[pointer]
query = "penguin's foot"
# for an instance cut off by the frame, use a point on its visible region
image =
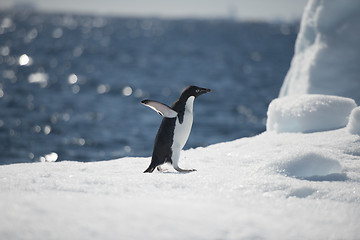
(184, 170)
(160, 169)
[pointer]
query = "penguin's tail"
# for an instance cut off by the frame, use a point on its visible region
(150, 169)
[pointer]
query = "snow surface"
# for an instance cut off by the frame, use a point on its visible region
(271, 186)
(327, 51)
(308, 113)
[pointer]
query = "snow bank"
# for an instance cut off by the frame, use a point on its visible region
(327, 51)
(354, 122)
(308, 113)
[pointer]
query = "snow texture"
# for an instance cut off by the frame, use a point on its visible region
(354, 122)
(271, 186)
(308, 113)
(327, 51)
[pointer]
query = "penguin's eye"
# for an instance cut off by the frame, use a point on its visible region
(197, 90)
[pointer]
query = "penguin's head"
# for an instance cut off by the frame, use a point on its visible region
(193, 91)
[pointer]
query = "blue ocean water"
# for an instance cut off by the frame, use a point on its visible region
(71, 86)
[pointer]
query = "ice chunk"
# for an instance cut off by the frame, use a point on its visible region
(308, 113)
(354, 121)
(327, 51)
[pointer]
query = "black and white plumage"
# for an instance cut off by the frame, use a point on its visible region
(175, 128)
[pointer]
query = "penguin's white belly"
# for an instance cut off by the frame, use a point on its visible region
(182, 130)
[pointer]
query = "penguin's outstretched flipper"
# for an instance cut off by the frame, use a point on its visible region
(160, 108)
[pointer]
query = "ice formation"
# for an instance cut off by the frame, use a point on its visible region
(327, 51)
(308, 113)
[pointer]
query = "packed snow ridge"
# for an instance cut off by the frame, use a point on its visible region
(354, 122)
(308, 113)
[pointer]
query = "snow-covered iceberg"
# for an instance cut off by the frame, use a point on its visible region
(327, 51)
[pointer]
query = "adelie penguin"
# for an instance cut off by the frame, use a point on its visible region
(174, 130)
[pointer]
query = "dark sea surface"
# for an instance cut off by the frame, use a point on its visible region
(71, 86)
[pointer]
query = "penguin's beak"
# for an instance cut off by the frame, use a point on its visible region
(205, 90)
